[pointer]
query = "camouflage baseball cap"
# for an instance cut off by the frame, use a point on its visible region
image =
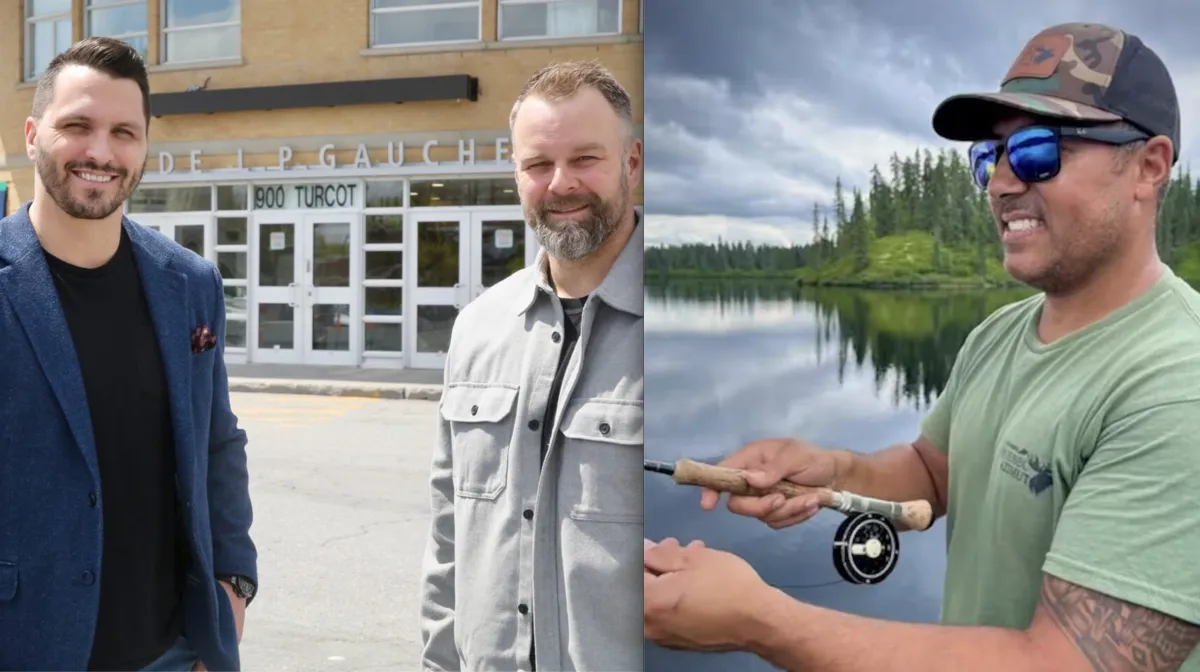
(1082, 72)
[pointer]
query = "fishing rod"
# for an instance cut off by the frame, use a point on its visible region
(866, 545)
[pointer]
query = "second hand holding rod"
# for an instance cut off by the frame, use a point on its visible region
(914, 515)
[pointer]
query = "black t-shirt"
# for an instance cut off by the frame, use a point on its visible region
(573, 310)
(143, 556)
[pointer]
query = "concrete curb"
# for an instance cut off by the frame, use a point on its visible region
(338, 388)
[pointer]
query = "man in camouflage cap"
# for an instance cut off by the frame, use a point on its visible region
(1063, 451)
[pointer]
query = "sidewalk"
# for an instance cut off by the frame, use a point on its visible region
(336, 381)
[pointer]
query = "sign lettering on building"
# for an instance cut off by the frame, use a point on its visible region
(326, 158)
(320, 196)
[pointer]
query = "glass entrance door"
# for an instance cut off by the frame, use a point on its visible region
(458, 255)
(304, 302)
(330, 318)
(498, 248)
(277, 272)
(443, 264)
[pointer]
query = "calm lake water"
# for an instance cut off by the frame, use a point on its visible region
(728, 363)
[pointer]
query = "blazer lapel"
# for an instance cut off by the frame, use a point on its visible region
(30, 289)
(166, 293)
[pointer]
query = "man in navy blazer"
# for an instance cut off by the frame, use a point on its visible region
(124, 497)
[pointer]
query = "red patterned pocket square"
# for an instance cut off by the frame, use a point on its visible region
(203, 340)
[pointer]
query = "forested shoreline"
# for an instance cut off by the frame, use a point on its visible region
(922, 224)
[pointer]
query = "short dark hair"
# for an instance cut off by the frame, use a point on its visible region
(111, 56)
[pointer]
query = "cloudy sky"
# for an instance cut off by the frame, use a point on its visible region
(754, 107)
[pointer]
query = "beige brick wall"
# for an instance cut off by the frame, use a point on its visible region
(300, 41)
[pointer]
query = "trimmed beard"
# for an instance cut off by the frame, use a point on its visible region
(574, 239)
(93, 206)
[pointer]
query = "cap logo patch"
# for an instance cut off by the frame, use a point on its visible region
(1040, 58)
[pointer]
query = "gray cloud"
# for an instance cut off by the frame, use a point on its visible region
(753, 108)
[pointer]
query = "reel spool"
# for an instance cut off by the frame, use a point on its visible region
(865, 548)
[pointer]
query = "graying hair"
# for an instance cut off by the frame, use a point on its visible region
(559, 81)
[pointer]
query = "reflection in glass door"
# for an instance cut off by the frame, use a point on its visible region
(442, 264)
(498, 248)
(189, 231)
(327, 294)
(304, 302)
(277, 289)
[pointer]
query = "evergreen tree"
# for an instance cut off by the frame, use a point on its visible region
(926, 192)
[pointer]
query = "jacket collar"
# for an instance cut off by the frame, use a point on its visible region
(624, 286)
(27, 285)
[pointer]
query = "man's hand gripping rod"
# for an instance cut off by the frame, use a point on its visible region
(915, 515)
(866, 546)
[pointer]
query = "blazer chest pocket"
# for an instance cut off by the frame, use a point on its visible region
(602, 460)
(481, 421)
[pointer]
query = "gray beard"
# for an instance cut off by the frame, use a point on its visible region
(576, 239)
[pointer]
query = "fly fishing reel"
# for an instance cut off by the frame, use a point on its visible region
(865, 548)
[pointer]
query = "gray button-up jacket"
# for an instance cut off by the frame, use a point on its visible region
(519, 551)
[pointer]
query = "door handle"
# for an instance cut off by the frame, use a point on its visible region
(292, 294)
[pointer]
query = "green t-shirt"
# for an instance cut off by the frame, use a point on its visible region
(1080, 458)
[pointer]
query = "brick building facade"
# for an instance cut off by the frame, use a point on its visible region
(347, 170)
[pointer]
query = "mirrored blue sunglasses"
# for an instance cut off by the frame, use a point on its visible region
(1035, 152)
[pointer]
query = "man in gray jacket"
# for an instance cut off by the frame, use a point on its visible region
(532, 560)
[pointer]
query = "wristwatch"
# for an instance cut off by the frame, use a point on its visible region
(242, 587)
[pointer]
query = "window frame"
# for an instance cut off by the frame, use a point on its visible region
(89, 7)
(373, 12)
(28, 20)
(500, 4)
(164, 31)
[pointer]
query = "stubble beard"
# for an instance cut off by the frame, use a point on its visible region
(1075, 264)
(576, 238)
(93, 206)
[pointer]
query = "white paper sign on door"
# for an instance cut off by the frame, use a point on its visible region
(504, 239)
(278, 240)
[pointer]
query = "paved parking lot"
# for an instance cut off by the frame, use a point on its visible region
(341, 512)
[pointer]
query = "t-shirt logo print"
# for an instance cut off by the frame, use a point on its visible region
(1026, 468)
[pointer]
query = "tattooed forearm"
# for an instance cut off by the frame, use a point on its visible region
(1116, 636)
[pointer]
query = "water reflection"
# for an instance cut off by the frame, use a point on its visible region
(727, 363)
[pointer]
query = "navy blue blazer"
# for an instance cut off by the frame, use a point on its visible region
(50, 522)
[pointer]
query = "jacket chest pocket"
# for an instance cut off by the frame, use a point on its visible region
(481, 421)
(602, 461)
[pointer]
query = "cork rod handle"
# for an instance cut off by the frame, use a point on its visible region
(914, 515)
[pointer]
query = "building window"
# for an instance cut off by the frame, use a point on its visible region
(122, 19)
(402, 23)
(47, 33)
(526, 19)
(169, 199)
(439, 193)
(201, 30)
(383, 269)
(232, 249)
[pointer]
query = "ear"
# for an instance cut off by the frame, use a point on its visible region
(1153, 167)
(30, 138)
(634, 164)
